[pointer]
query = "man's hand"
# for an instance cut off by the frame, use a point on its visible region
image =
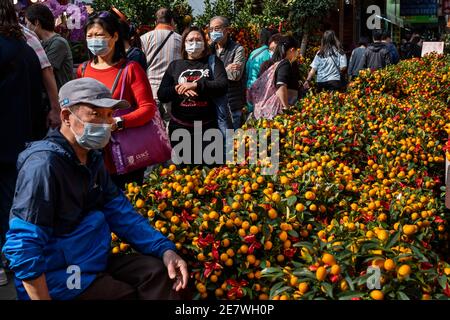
(184, 87)
(177, 269)
(234, 67)
(306, 85)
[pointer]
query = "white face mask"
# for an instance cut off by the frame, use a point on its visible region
(95, 135)
(194, 48)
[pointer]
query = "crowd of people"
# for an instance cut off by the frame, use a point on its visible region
(64, 189)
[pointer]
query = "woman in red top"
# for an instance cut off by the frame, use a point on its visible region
(105, 42)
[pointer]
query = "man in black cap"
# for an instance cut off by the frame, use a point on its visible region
(66, 207)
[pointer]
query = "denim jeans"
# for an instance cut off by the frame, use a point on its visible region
(237, 119)
(223, 116)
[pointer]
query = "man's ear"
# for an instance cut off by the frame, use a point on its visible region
(65, 114)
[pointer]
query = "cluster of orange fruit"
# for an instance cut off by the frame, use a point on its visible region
(356, 211)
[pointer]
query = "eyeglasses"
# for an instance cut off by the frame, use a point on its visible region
(216, 28)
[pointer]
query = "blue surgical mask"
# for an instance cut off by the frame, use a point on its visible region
(98, 47)
(95, 135)
(216, 36)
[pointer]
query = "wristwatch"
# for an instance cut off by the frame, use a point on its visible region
(119, 123)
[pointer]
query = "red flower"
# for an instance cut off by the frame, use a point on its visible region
(419, 182)
(313, 268)
(438, 219)
(426, 266)
(289, 252)
(334, 278)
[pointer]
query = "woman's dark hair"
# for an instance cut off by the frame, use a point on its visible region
(284, 45)
(110, 23)
(264, 37)
(330, 44)
(275, 38)
(9, 25)
(183, 40)
(363, 41)
(42, 13)
(129, 33)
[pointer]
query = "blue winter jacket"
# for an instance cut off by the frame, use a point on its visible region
(63, 215)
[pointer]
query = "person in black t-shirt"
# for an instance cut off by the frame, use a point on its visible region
(190, 85)
(287, 74)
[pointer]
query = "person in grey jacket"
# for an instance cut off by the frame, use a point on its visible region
(233, 57)
(357, 55)
(377, 55)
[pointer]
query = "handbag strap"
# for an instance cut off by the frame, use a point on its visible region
(123, 81)
(116, 80)
(334, 62)
(83, 68)
(159, 49)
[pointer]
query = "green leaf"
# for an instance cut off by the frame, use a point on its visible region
(275, 287)
(308, 245)
(402, 296)
(305, 273)
(392, 240)
(442, 281)
(291, 201)
(350, 283)
(293, 233)
(271, 270)
(418, 253)
(329, 289)
(278, 289)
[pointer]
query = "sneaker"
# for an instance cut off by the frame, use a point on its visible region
(3, 277)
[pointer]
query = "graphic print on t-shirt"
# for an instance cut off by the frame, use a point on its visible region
(193, 75)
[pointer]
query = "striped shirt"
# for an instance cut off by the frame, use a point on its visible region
(35, 44)
(170, 52)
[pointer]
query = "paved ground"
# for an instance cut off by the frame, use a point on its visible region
(8, 292)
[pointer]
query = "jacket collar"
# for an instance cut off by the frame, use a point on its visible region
(55, 136)
(163, 26)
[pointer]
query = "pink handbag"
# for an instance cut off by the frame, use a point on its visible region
(139, 147)
(262, 94)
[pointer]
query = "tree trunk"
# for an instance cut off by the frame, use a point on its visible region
(304, 43)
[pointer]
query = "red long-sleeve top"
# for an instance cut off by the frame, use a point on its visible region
(137, 92)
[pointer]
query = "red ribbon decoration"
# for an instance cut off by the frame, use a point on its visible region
(215, 250)
(186, 217)
(203, 242)
(254, 244)
(236, 289)
(210, 267)
(160, 195)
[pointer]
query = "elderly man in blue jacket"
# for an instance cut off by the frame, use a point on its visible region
(66, 207)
